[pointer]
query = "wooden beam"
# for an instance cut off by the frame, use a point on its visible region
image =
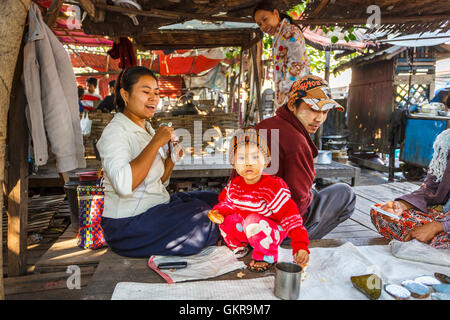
(319, 8)
(13, 15)
(363, 20)
(17, 184)
(170, 15)
(100, 13)
(89, 7)
(53, 12)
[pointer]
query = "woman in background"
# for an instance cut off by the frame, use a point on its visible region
(290, 61)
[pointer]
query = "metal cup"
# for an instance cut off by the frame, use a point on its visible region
(287, 280)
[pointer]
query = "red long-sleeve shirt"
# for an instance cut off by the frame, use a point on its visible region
(271, 198)
(294, 152)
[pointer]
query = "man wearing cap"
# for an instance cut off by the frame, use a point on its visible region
(308, 105)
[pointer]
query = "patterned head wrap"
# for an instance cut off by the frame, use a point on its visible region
(314, 91)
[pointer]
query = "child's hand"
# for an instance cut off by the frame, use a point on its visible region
(301, 257)
(215, 216)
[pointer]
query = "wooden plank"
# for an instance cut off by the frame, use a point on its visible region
(45, 281)
(352, 234)
(13, 16)
(377, 193)
(363, 219)
(17, 183)
(65, 252)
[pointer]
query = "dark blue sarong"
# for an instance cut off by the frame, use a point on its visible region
(180, 227)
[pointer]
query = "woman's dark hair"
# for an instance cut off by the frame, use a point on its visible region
(269, 6)
(126, 80)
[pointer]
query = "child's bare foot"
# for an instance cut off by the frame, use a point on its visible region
(259, 266)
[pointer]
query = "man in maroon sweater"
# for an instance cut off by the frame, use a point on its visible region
(294, 152)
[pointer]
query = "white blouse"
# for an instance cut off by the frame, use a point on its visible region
(121, 142)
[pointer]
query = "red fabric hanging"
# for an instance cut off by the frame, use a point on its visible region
(123, 51)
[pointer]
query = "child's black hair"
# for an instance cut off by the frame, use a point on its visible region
(126, 80)
(92, 80)
(247, 136)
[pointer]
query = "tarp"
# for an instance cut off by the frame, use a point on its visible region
(173, 65)
(425, 39)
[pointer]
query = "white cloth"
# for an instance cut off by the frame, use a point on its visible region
(211, 262)
(52, 97)
(121, 142)
(327, 277)
(418, 251)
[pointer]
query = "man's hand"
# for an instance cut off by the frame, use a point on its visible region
(301, 257)
(426, 232)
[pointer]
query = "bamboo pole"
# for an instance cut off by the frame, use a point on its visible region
(13, 15)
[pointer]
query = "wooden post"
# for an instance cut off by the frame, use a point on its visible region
(256, 57)
(241, 66)
(318, 134)
(17, 182)
(53, 12)
(12, 22)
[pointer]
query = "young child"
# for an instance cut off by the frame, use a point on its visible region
(256, 208)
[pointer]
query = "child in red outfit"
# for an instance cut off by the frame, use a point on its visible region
(257, 209)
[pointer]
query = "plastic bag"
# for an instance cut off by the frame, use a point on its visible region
(211, 262)
(415, 250)
(85, 124)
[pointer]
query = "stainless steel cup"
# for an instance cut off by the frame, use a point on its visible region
(287, 280)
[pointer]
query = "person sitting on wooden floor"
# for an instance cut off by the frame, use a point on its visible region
(425, 213)
(140, 218)
(307, 108)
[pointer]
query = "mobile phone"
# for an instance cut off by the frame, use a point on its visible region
(173, 265)
(386, 213)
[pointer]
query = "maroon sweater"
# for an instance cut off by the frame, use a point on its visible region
(296, 153)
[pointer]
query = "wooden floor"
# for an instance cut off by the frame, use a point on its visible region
(359, 224)
(101, 269)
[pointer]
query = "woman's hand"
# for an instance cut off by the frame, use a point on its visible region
(301, 257)
(426, 232)
(162, 135)
(396, 207)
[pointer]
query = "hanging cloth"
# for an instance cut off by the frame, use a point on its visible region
(124, 51)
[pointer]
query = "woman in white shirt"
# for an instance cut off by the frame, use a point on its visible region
(140, 218)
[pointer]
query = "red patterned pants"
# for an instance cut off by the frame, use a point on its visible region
(409, 220)
(263, 234)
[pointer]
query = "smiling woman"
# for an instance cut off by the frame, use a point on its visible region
(140, 218)
(289, 53)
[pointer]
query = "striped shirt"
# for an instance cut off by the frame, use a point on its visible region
(271, 198)
(88, 100)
